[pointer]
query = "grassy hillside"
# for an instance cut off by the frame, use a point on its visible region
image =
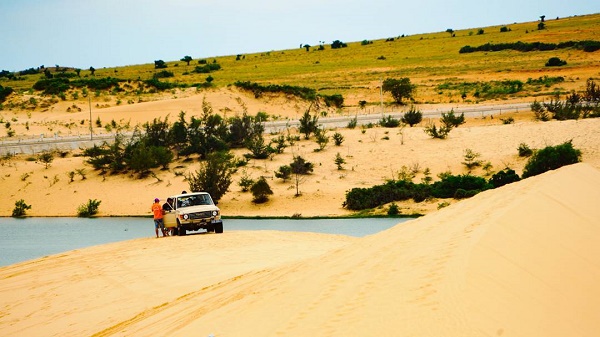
(432, 61)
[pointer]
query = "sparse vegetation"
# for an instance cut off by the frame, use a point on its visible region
(551, 158)
(89, 209)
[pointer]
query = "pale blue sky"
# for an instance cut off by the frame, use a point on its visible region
(104, 33)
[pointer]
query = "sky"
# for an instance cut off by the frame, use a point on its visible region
(109, 33)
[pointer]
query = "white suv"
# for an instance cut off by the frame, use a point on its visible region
(192, 212)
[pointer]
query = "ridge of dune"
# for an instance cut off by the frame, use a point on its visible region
(521, 260)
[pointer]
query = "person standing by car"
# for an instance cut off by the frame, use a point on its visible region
(168, 207)
(158, 212)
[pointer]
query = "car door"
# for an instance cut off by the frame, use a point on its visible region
(170, 217)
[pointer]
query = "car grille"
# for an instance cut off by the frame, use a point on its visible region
(200, 215)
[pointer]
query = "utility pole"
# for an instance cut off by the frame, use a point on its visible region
(91, 130)
(381, 94)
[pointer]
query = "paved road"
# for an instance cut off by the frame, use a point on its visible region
(36, 145)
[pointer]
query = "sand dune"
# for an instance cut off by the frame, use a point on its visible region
(521, 260)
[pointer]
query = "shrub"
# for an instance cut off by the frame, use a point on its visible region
(524, 150)
(389, 122)
(338, 139)
(393, 210)
(539, 112)
(452, 121)
(4, 92)
(20, 208)
(449, 184)
(339, 161)
(440, 133)
(412, 116)
(163, 74)
(352, 123)
(471, 160)
(335, 100)
(246, 182)
(88, 210)
(284, 172)
(504, 177)
(46, 158)
(555, 62)
(261, 191)
(551, 158)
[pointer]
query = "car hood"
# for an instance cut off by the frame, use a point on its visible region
(198, 208)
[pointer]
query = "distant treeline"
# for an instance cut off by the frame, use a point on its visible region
(587, 46)
(258, 89)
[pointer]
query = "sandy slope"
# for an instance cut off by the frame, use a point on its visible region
(522, 260)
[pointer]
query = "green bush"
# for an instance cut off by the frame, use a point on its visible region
(335, 100)
(393, 210)
(412, 116)
(435, 132)
(452, 121)
(88, 210)
(524, 150)
(551, 158)
(20, 208)
(555, 62)
(52, 86)
(504, 177)
(261, 191)
(449, 184)
(4, 92)
(389, 122)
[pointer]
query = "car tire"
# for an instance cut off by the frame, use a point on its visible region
(218, 227)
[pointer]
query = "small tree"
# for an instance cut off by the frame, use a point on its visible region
(551, 158)
(284, 173)
(339, 161)
(46, 158)
(187, 59)
(159, 64)
(92, 70)
(246, 182)
(321, 138)
(300, 167)
(308, 124)
(412, 116)
(338, 139)
(400, 89)
(88, 210)
(471, 159)
(214, 176)
(261, 191)
(452, 121)
(435, 132)
(20, 208)
(539, 112)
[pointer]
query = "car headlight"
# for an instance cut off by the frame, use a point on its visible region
(215, 213)
(186, 216)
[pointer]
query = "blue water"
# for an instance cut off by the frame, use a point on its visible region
(30, 238)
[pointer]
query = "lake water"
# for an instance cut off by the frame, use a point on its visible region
(30, 238)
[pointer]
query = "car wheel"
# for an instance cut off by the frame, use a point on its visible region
(219, 227)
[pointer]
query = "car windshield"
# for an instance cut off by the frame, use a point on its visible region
(194, 200)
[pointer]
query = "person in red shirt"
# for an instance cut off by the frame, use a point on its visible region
(158, 212)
